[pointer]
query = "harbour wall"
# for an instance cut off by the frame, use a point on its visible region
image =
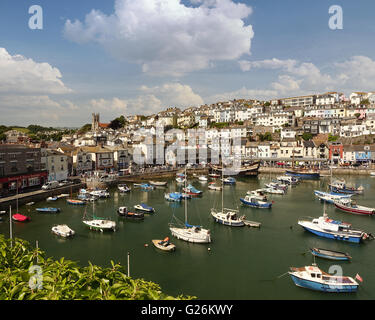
(338, 171)
(35, 196)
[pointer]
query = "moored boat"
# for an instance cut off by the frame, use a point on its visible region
(330, 254)
(173, 196)
(52, 198)
(330, 197)
(124, 212)
(123, 187)
(164, 245)
(303, 174)
(63, 230)
(49, 210)
(350, 206)
(311, 277)
(334, 229)
(291, 180)
(255, 203)
(76, 202)
(229, 180)
(212, 186)
(340, 186)
(100, 224)
(158, 183)
(192, 190)
(202, 178)
(257, 194)
(20, 217)
(144, 207)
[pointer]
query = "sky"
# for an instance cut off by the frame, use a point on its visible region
(127, 57)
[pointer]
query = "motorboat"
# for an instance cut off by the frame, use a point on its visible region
(255, 202)
(144, 207)
(304, 174)
(340, 186)
(229, 180)
(192, 190)
(124, 212)
(173, 196)
(52, 198)
(158, 183)
(331, 197)
(100, 193)
(291, 180)
(20, 217)
(258, 194)
(311, 277)
(334, 229)
(350, 206)
(212, 186)
(63, 230)
(202, 178)
(100, 224)
(76, 202)
(271, 190)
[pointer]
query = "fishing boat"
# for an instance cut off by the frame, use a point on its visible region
(225, 216)
(48, 210)
(330, 254)
(188, 232)
(158, 183)
(303, 174)
(278, 186)
(256, 203)
(63, 230)
(202, 178)
(173, 196)
(311, 277)
(20, 217)
(331, 197)
(123, 187)
(339, 186)
(214, 175)
(52, 198)
(144, 207)
(348, 205)
(76, 202)
(192, 191)
(258, 194)
(124, 212)
(333, 229)
(212, 186)
(164, 245)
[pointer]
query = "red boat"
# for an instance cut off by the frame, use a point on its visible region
(351, 207)
(20, 218)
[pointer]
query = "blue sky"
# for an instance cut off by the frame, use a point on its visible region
(183, 53)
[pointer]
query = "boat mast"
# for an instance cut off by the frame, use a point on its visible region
(185, 197)
(10, 226)
(222, 186)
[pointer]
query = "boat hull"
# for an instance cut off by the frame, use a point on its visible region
(341, 257)
(183, 234)
(312, 285)
(363, 211)
(303, 175)
(256, 205)
(333, 235)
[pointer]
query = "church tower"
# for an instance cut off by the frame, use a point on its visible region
(95, 122)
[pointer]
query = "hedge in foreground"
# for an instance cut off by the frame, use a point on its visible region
(65, 280)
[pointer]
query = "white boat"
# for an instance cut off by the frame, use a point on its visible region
(180, 180)
(257, 194)
(63, 195)
(372, 173)
(100, 193)
(158, 183)
(30, 203)
(144, 207)
(123, 188)
(273, 191)
(100, 224)
(63, 230)
(288, 179)
(190, 233)
(331, 197)
(212, 186)
(52, 198)
(202, 178)
(225, 216)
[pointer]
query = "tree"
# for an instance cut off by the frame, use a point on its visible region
(115, 124)
(307, 136)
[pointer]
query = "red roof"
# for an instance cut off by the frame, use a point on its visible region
(104, 125)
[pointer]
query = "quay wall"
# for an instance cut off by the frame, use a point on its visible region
(35, 196)
(338, 171)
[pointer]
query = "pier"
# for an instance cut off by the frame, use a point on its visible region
(38, 195)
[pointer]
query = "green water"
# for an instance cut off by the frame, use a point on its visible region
(242, 263)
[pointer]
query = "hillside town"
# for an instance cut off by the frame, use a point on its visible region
(313, 130)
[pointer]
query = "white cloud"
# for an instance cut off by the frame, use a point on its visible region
(166, 37)
(243, 93)
(20, 75)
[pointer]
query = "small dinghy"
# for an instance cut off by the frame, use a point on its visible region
(202, 178)
(164, 245)
(158, 183)
(212, 186)
(144, 207)
(192, 191)
(229, 180)
(123, 212)
(329, 254)
(48, 210)
(214, 175)
(20, 217)
(76, 202)
(63, 230)
(52, 198)
(173, 196)
(30, 203)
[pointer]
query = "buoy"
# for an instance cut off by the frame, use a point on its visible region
(146, 245)
(209, 249)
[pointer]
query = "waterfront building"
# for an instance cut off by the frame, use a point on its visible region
(20, 165)
(56, 164)
(301, 101)
(336, 152)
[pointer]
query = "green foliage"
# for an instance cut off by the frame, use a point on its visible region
(332, 138)
(85, 128)
(219, 125)
(65, 280)
(265, 137)
(307, 136)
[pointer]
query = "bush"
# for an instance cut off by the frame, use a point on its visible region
(64, 280)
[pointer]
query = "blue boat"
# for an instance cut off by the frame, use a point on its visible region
(192, 191)
(49, 210)
(256, 203)
(333, 229)
(304, 175)
(311, 277)
(329, 254)
(341, 187)
(173, 196)
(331, 197)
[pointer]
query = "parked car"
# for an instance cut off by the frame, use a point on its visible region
(50, 185)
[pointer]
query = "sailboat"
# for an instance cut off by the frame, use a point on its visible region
(99, 224)
(190, 233)
(229, 217)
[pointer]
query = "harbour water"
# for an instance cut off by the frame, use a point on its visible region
(243, 263)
